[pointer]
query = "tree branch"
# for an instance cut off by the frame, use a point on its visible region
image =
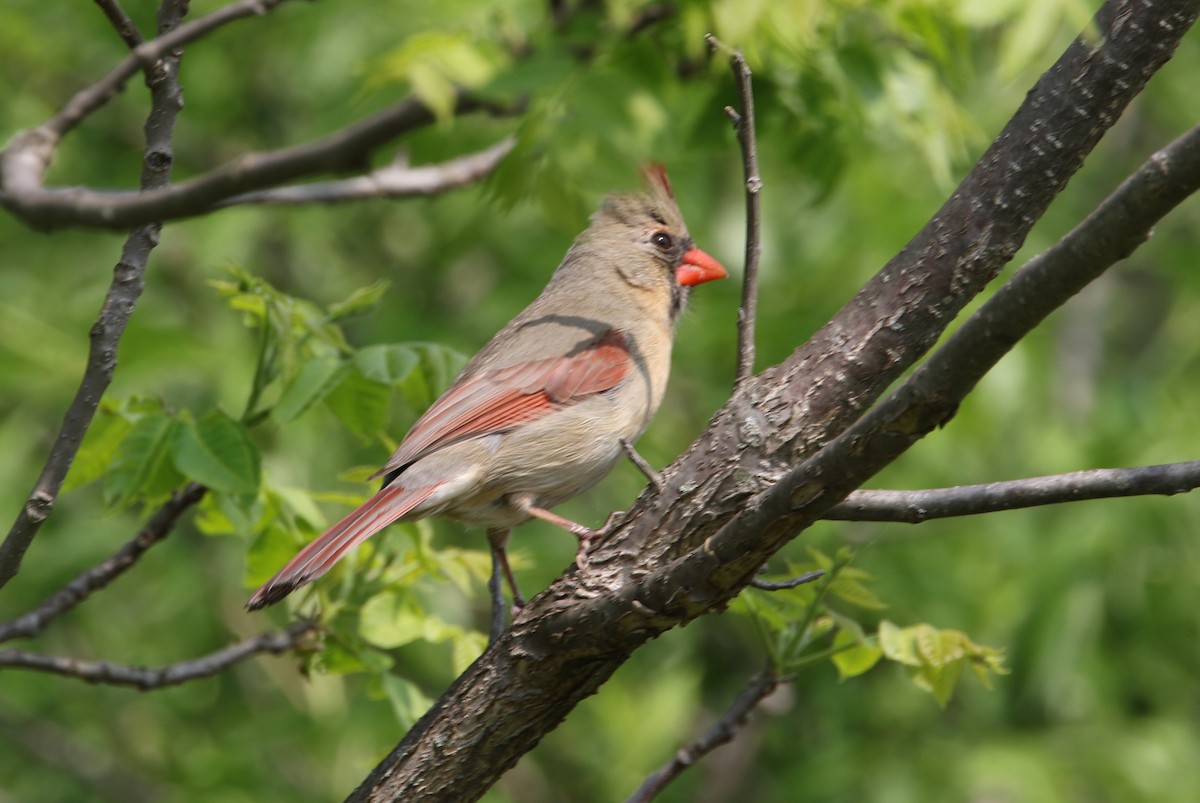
(124, 26)
(393, 181)
(166, 100)
(81, 587)
(23, 164)
(743, 124)
(915, 507)
(688, 551)
(348, 149)
(722, 732)
(149, 678)
(791, 582)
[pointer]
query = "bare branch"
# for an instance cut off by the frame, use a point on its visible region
(791, 582)
(124, 26)
(348, 149)
(642, 466)
(149, 678)
(722, 732)
(915, 507)
(393, 181)
(23, 164)
(743, 124)
(156, 529)
(166, 99)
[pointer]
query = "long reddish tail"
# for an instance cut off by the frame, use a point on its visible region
(318, 557)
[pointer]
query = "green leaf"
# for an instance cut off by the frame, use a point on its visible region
(857, 657)
(935, 659)
(391, 620)
(217, 451)
(409, 703)
(362, 299)
(315, 379)
(466, 647)
(345, 655)
(439, 365)
(387, 362)
(361, 403)
(142, 469)
(275, 545)
(99, 451)
(855, 592)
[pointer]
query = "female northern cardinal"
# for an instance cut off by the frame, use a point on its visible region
(539, 415)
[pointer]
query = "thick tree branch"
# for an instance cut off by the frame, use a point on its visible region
(915, 507)
(721, 732)
(148, 678)
(743, 124)
(393, 181)
(166, 99)
(156, 529)
(689, 550)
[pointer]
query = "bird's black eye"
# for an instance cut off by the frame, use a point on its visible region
(662, 241)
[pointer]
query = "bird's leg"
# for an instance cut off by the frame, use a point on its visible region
(586, 535)
(639, 461)
(498, 539)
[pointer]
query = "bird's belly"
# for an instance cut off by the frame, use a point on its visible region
(551, 460)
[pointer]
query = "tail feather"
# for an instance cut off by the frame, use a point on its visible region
(319, 556)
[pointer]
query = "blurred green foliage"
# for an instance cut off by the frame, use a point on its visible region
(278, 355)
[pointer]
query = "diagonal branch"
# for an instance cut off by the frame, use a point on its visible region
(156, 529)
(149, 678)
(688, 551)
(120, 20)
(930, 397)
(166, 99)
(721, 732)
(915, 507)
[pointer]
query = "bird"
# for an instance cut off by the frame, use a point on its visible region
(547, 408)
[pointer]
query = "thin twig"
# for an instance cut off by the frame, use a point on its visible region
(915, 507)
(393, 181)
(644, 467)
(721, 732)
(166, 99)
(124, 26)
(791, 582)
(148, 678)
(743, 124)
(99, 576)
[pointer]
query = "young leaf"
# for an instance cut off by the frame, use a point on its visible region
(361, 403)
(217, 451)
(409, 703)
(142, 469)
(100, 448)
(857, 657)
(315, 379)
(387, 362)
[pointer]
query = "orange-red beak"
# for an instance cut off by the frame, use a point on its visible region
(698, 267)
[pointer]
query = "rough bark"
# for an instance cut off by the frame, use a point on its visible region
(735, 497)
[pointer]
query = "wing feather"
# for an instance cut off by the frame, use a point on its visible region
(497, 400)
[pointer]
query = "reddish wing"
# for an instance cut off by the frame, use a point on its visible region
(500, 399)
